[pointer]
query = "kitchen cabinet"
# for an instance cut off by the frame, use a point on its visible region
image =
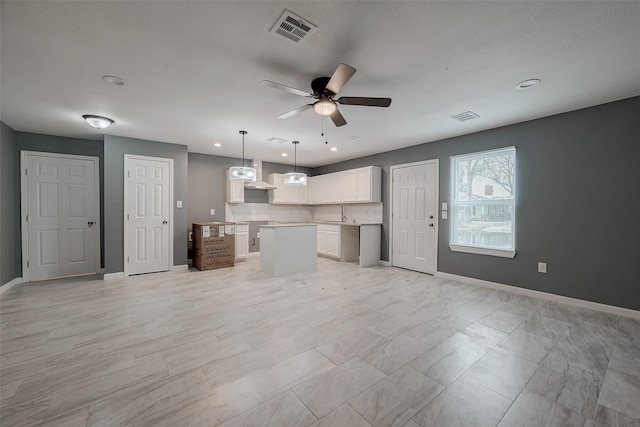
(242, 241)
(287, 194)
(235, 190)
(329, 240)
(342, 242)
(325, 189)
(362, 185)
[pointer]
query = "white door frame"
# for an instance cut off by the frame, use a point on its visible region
(24, 204)
(127, 249)
(435, 162)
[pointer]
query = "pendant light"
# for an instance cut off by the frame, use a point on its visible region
(242, 173)
(295, 177)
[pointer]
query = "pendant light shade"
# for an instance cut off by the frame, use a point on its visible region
(295, 177)
(242, 173)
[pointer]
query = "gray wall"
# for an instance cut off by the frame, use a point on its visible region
(208, 185)
(577, 209)
(57, 144)
(10, 252)
(115, 147)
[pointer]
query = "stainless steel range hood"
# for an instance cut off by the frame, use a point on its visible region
(259, 184)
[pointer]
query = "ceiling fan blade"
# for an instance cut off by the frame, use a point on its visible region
(370, 102)
(294, 112)
(340, 77)
(337, 118)
(289, 89)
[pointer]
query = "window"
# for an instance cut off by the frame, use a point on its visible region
(483, 208)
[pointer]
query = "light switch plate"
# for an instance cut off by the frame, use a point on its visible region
(444, 214)
(179, 204)
(444, 206)
(212, 211)
(542, 267)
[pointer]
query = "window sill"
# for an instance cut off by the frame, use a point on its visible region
(483, 251)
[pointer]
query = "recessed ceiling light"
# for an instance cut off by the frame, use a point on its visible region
(334, 149)
(114, 80)
(527, 83)
(284, 154)
(98, 122)
(217, 144)
(276, 139)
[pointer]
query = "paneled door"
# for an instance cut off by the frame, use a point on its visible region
(60, 215)
(148, 215)
(414, 216)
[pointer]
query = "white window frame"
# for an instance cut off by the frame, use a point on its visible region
(481, 250)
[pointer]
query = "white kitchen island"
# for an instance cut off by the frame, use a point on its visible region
(288, 249)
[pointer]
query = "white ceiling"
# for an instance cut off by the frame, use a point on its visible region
(192, 69)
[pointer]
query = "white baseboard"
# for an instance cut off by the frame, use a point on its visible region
(626, 312)
(11, 284)
(385, 263)
(112, 276)
(178, 268)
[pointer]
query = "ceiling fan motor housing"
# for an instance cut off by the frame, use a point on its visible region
(319, 86)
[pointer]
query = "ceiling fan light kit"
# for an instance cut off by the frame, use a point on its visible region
(242, 173)
(295, 177)
(325, 107)
(324, 89)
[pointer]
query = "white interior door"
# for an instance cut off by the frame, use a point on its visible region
(61, 205)
(148, 214)
(414, 216)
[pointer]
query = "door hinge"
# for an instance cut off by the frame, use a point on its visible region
(26, 171)
(128, 174)
(127, 259)
(27, 218)
(27, 263)
(127, 216)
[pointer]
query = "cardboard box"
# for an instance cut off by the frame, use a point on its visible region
(214, 245)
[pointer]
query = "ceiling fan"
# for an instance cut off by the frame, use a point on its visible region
(324, 89)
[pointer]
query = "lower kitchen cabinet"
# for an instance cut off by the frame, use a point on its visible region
(329, 240)
(242, 241)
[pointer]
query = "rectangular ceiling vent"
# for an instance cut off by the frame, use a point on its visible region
(463, 117)
(293, 27)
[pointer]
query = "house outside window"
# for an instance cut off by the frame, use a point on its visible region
(483, 207)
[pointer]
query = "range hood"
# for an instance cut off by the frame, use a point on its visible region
(259, 184)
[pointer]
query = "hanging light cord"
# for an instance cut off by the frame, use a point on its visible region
(243, 132)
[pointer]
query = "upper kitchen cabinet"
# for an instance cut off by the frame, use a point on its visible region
(325, 189)
(287, 194)
(362, 185)
(235, 190)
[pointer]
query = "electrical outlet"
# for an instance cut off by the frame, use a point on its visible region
(212, 211)
(542, 267)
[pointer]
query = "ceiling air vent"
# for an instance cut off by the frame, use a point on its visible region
(463, 117)
(293, 28)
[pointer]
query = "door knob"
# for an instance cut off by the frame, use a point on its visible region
(430, 216)
(430, 225)
(90, 223)
(165, 222)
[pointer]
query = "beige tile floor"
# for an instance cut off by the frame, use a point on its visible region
(341, 347)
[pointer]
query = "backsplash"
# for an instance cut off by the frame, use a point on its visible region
(363, 213)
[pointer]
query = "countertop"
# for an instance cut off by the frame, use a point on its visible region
(291, 224)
